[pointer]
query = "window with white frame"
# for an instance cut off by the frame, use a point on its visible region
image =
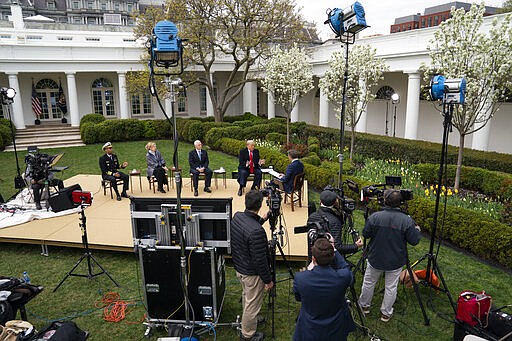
(141, 104)
(103, 97)
(202, 98)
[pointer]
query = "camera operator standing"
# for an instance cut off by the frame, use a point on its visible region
(390, 230)
(324, 313)
(250, 255)
(327, 213)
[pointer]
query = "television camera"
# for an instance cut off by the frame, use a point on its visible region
(273, 196)
(377, 190)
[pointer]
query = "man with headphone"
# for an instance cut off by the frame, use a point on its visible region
(389, 230)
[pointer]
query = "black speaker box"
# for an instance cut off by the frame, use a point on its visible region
(160, 267)
(62, 199)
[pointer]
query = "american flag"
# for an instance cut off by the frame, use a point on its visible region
(36, 104)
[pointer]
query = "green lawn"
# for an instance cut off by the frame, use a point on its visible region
(77, 298)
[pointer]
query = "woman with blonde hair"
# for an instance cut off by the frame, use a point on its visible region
(156, 166)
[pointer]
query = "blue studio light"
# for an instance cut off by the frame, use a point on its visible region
(166, 47)
(349, 20)
(449, 90)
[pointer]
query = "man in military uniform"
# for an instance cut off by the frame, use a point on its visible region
(109, 165)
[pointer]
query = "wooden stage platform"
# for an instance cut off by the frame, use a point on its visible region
(109, 223)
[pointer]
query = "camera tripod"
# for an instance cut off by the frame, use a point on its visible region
(275, 245)
(86, 256)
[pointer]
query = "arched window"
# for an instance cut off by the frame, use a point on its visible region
(48, 92)
(385, 92)
(103, 97)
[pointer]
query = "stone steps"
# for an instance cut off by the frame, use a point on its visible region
(47, 137)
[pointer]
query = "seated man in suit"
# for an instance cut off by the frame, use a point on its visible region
(109, 165)
(249, 162)
(198, 161)
(295, 167)
(324, 313)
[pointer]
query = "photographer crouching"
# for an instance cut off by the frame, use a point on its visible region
(324, 312)
(330, 213)
(390, 230)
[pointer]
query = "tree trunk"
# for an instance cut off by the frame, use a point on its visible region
(352, 139)
(459, 162)
(288, 128)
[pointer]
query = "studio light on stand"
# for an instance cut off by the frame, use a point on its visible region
(7, 99)
(166, 51)
(395, 99)
(346, 23)
(451, 92)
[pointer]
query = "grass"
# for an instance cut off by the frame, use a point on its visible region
(78, 297)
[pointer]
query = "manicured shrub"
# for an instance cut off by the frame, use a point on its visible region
(214, 136)
(6, 134)
(259, 131)
(89, 133)
(149, 129)
(312, 159)
(276, 137)
(92, 118)
(164, 129)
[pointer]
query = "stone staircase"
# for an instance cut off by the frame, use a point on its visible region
(47, 136)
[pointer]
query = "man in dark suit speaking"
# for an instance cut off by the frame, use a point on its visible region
(198, 161)
(295, 167)
(324, 313)
(249, 162)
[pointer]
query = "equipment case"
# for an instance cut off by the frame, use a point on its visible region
(161, 280)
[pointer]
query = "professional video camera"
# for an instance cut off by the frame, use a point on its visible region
(38, 164)
(273, 196)
(377, 190)
(315, 230)
(346, 204)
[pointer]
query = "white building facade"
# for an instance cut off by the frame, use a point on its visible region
(91, 68)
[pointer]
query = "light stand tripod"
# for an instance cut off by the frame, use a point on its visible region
(7, 100)
(273, 246)
(86, 256)
(432, 265)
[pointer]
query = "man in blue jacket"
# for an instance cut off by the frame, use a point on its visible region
(324, 313)
(390, 230)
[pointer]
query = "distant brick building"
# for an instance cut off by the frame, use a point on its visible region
(433, 16)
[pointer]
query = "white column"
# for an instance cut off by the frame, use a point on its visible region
(17, 107)
(413, 106)
(361, 124)
(481, 137)
(123, 96)
(271, 106)
(294, 117)
(250, 97)
(323, 111)
(73, 99)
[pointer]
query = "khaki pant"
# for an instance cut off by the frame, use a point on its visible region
(253, 290)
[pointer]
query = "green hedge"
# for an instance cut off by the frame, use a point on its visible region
(92, 118)
(5, 135)
(495, 184)
(482, 236)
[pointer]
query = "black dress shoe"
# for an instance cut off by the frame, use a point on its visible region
(196, 193)
(240, 192)
(161, 190)
(118, 197)
(124, 195)
(207, 190)
(38, 206)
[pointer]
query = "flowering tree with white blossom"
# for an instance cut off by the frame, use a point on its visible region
(288, 76)
(364, 72)
(484, 59)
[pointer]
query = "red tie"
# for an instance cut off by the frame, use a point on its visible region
(251, 164)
